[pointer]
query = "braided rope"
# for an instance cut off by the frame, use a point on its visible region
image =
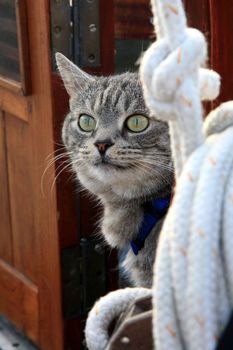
(193, 270)
(173, 81)
(105, 311)
(193, 273)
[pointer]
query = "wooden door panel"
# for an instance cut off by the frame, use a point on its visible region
(20, 175)
(5, 226)
(15, 104)
(198, 14)
(132, 19)
(19, 300)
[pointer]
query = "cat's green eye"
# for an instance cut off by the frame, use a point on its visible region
(86, 122)
(137, 123)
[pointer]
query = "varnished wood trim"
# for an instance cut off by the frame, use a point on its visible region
(45, 207)
(11, 85)
(14, 104)
(5, 217)
(19, 300)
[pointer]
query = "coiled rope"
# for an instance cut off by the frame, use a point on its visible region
(105, 311)
(192, 285)
(193, 273)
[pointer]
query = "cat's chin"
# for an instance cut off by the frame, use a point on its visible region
(106, 180)
(126, 184)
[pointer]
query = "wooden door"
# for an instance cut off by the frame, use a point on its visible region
(30, 292)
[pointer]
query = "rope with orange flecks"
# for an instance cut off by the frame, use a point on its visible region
(193, 273)
(107, 309)
(172, 78)
(193, 294)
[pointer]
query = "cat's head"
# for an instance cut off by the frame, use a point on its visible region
(113, 144)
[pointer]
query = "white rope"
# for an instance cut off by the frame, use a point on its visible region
(173, 80)
(193, 280)
(105, 311)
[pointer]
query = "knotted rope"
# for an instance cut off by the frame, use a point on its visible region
(192, 282)
(193, 274)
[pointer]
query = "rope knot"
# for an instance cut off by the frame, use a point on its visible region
(169, 73)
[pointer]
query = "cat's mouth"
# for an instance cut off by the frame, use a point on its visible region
(110, 164)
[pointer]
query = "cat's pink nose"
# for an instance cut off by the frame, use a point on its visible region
(103, 146)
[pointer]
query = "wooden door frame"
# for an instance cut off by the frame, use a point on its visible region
(41, 118)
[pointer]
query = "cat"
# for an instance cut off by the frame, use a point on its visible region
(120, 155)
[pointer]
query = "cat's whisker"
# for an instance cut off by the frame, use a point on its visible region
(154, 153)
(49, 164)
(164, 160)
(59, 152)
(56, 158)
(54, 152)
(157, 155)
(53, 161)
(149, 169)
(159, 164)
(59, 166)
(154, 161)
(61, 171)
(154, 156)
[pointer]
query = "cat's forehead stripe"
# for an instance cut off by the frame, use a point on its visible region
(97, 100)
(116, 97)
(107, 95)
(110, 96)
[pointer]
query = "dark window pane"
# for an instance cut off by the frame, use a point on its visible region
(9, 52)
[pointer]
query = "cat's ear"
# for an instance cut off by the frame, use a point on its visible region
(73, 77)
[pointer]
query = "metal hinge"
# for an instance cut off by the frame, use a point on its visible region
(75, 31)
(61, 28)
(86, 33)
(83, 276)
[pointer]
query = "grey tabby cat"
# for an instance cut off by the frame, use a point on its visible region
(119, 155)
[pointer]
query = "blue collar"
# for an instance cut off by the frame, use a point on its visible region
(153, 212)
